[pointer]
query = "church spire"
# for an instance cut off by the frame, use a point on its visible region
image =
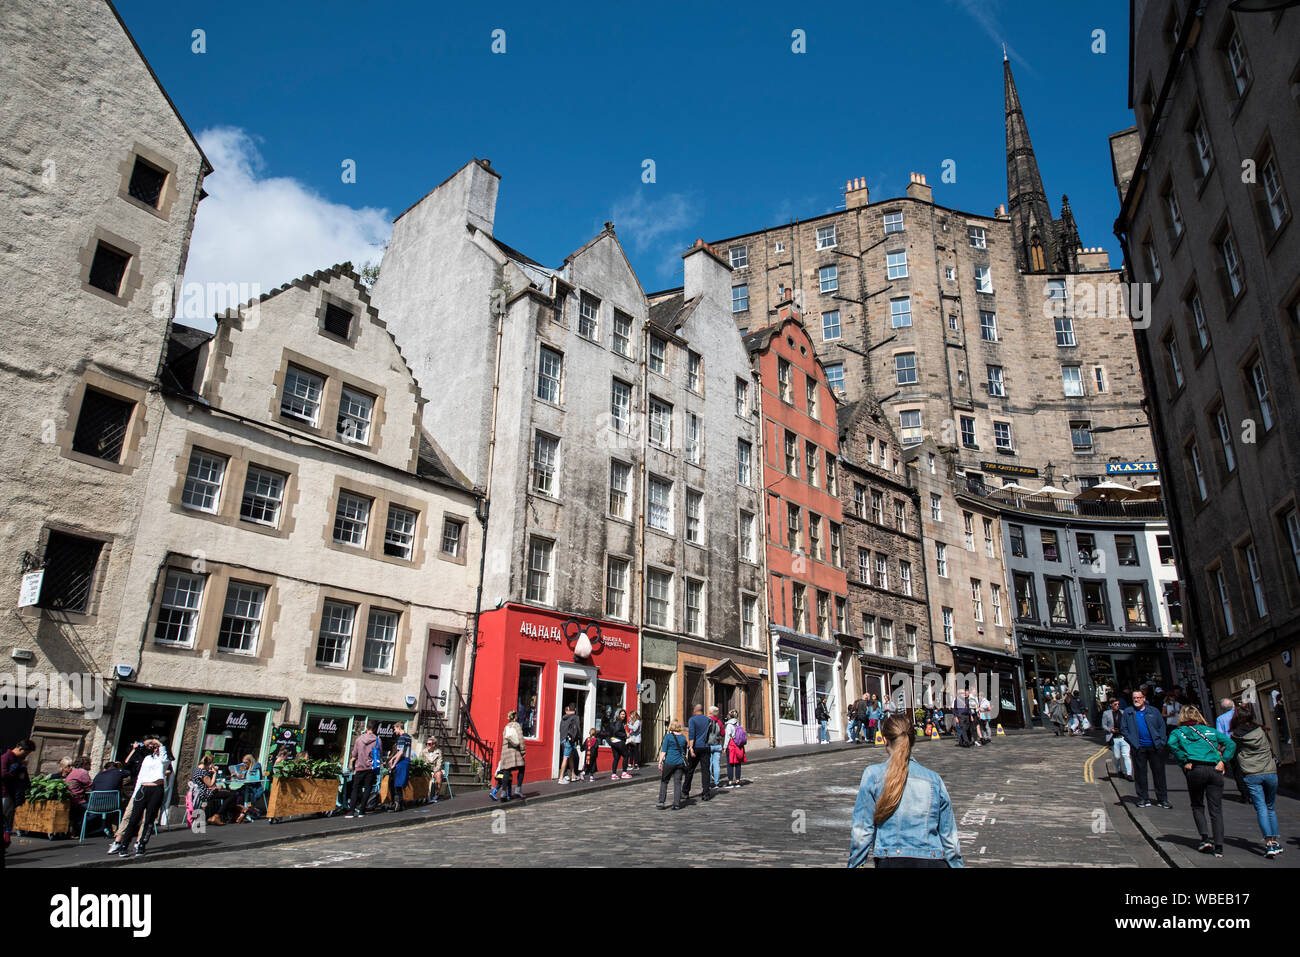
(1031, 218)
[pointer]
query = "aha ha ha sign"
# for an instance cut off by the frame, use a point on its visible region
(528, 629)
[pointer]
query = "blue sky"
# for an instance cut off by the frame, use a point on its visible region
(743, 131)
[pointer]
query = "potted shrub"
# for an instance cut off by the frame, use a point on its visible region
(48, 808)
(303, 786)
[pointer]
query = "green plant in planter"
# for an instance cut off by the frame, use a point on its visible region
(420, 768)
(45, 788)
(305, 767)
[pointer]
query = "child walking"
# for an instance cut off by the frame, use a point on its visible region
(592, 747)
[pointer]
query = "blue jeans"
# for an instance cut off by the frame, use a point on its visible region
(1123, 760)
(822, 733)
(1263, 794)
(715, 761)
(855, 729)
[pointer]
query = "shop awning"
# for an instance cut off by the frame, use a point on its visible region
(972, 650)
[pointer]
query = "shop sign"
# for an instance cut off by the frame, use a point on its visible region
(1132, 468)
(30, 591)
(237, 721)
(1255, 676)
(528, 629)
(328, 726)
(1023, 470)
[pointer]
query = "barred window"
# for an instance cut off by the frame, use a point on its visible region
(107, 268)
(70, 564)
(399, 535)
(146, 183)
(101, 425)
(203, 481)
(241, 622)
(381, 641)
(351, 519)
(335, 639)
(179, 615)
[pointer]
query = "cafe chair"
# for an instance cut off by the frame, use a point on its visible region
(101, 804)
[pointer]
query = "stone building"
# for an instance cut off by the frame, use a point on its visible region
(1094, 597)
(887, 625)
(803, 527)
(998, 334)
(609, 436)
(102, 180)
(1205, 219)
(966, 577)
(306, 555)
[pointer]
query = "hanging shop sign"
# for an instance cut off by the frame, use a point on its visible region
(1002, 469)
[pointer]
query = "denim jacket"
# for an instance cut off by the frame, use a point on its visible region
(922, 826)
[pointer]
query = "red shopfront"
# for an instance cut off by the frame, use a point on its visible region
(535, 662)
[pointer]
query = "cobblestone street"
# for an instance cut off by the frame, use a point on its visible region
(1020, 801)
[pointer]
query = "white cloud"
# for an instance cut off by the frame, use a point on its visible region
(985, 14)
(656, 227)
(266, 231)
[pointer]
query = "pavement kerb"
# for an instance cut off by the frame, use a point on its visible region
(1171, 855)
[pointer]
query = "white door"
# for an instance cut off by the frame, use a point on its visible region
(437, 671)
(573, 684)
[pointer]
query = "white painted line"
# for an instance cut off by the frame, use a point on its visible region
(982, 849)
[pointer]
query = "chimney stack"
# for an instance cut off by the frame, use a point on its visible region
(917, 189)
(856, 193)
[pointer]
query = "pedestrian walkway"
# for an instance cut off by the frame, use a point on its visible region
(37, 851)
(1173, 831)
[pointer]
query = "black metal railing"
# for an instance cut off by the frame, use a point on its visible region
(1145, 509)
(480, 749)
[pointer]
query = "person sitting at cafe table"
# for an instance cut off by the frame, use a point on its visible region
(111, 777)
(207, 791)
(433, 755)
(78, 780)
(249, 772)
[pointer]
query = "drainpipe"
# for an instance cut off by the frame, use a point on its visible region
(638, 518)
(758, 470)
(485, 503)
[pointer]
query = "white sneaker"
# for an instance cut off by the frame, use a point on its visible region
(562, 781)
(114, 847)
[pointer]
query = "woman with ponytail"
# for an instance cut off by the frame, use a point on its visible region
(903, 816)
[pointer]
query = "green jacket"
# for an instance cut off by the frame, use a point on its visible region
(1200, 742)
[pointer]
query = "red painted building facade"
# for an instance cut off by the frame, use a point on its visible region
(807, 588)
(535, 661)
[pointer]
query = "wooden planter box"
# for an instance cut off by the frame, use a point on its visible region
(296, 796)
(45, 817)
(417, 789)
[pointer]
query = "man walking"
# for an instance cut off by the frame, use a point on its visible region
(1112, 722)
(570, 735)
(1144, 730)
(399, 765)
(697, 733)
(963, 719)
(1223, 724)
(365, 765)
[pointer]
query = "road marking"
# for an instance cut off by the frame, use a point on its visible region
(840, 790)
(1089, 776)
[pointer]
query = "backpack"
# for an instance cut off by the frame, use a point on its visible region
(739, 736)
(715, 733)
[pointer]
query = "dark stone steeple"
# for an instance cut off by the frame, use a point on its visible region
(1042, 244)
